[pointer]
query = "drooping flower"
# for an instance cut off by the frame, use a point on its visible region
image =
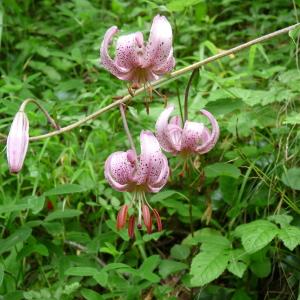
(148, 172)
(193, 137)
(17, 142)
(134, 61)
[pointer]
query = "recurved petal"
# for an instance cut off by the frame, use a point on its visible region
(108, 63)
(159, 44)
(209, 141)
(167, 66)
(162, 131)
(149, 149)
(159, 173)
(191, 136)
(119, 171)
(17, 142)
(129, 54)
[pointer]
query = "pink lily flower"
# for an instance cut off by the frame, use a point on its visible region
(148, 172)
(17, 142)
(135, 61)
(193, 137)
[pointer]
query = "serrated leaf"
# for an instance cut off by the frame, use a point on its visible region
(207, 266)
(282, 220)
(62, 214)
(290, 235)
(256, 235)
(222, 169)
(65, 189)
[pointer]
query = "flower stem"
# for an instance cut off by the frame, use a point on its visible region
(51, 121)
(172, 75)
(126, 128)
(186, 94)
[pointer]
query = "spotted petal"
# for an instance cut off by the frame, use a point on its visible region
(129, 54)
(191, 136)
(108, 63)
(166, 132)
(159, 47)
(208, 142)
(119, 171)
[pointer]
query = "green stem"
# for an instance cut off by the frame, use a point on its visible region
(172, 75)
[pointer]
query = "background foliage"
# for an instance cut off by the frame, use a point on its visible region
(58, 236)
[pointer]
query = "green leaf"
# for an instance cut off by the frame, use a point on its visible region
(81, 271)
(36, 204)
(290, 235)
(180, 252)
(179, 5)
(282, 220)
(1, 274)
(222, 169)
(167, 267)
(256, 235)
(291, 178)
(65, 189)
(147, 268)
(294, 33)
(237, 268)
(90, 294)
(18, 236)
(101, 278)
(62, 214)
(207, 266)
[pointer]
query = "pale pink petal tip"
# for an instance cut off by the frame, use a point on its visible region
(17, 142)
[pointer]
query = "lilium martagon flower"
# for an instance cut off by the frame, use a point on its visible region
(191, 138)
(17, 142)
(137, 61)
(148, 172)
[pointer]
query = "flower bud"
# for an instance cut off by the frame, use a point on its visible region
(17, 142)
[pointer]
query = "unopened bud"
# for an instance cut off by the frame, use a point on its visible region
(17, 142)
(122, 216)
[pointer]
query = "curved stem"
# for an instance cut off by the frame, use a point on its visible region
(51, 121)
(126, 128)
(174, 74)
(186, 94)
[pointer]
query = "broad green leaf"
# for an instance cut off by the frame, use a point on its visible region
(33, 248)
(291, 178)
(65, 189)
(81, 271)
(282, 220)
(256, 235)
(101, 278)
(237, 268)
(90, 294)
(241, 295)
(180, 252)
(293, 118)
(147, 268)
(62, 214)
(167, 267)
(18, 236)
(222, 169)
(207, 266)
(290, 235)
(13, 207)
